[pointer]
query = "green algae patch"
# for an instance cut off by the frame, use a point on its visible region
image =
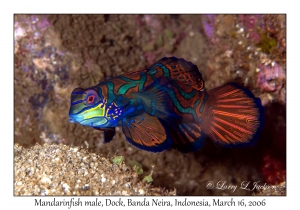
(137, 167)
(148, 179)
(266, 43)
(118, 160)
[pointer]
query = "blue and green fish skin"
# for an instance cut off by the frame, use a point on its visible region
(165, 106)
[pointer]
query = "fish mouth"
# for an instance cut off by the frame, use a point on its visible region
(74, 118)
(71, 120)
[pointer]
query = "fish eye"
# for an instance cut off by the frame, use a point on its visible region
(90, 99)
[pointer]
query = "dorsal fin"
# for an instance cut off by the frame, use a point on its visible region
(137, 71)
(178, 69)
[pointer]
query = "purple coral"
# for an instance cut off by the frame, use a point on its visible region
(29, 24)
(150, 57)
(153, 22)
(270, 77)
(208, 22)
(250, 23)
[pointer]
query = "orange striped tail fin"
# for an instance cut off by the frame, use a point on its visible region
(233, 116)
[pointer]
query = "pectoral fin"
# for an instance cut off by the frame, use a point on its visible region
(146, 132)
(109, 133)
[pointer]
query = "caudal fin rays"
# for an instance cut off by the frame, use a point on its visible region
(233, 116)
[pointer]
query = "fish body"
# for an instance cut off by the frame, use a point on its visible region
(166, 106)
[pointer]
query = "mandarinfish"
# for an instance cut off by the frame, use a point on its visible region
(165, 106)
